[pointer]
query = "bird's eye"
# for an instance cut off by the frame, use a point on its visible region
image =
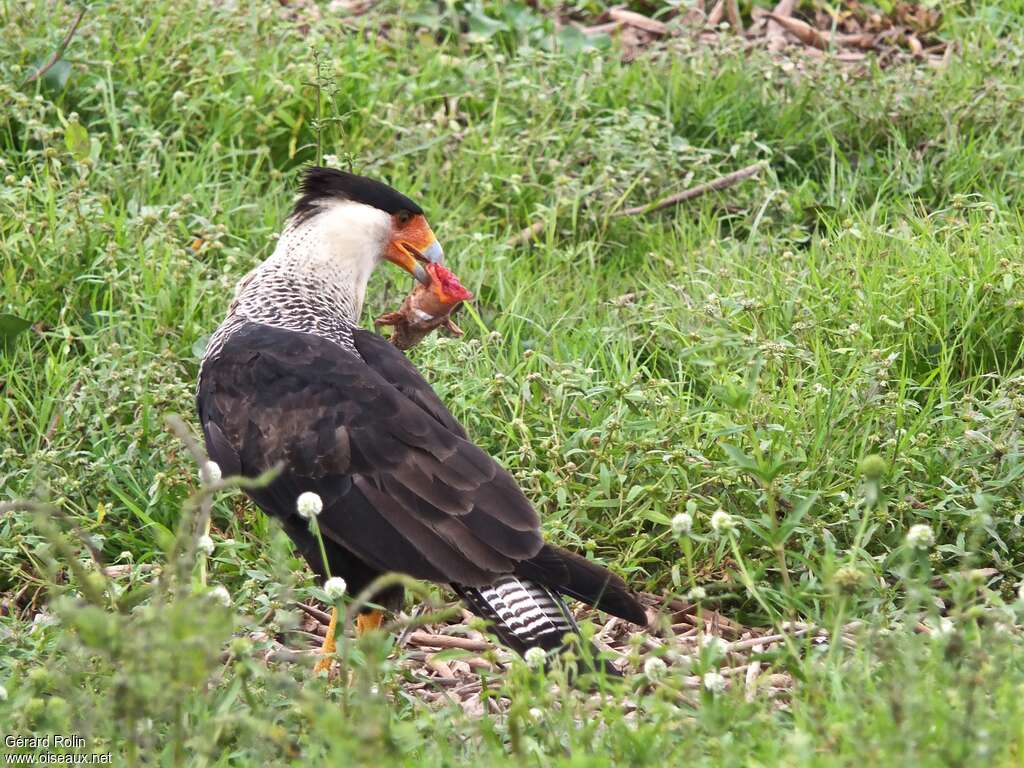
(403, 217)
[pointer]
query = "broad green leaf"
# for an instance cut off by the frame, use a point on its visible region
(10, 327)
(740, 459)
(76, 137)
(56, 77)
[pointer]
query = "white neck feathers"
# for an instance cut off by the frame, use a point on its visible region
(318, 273)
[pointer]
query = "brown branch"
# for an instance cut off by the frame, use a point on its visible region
(638, 20)
(447, 641)
(59, 52)
(721, 183)
(801, 30)
(732, 13)
(716, 14)
(775, 32)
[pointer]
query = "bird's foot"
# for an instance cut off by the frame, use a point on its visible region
(326, 660)
(367, 622)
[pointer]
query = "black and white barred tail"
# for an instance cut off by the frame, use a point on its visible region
(526, 610)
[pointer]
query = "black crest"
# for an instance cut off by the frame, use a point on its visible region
(321, 184)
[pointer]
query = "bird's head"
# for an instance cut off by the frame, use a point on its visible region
(368, 211)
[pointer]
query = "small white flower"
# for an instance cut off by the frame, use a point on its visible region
(3, 693)
(211, 472)
(682, 524)
(715, 644)
(331, 161)
(722, 522)
(920, 536)
(714, 682)
(654, 668)
(309, 504)
(535, 657)
(697, 593)
(536, 714)
(221, 595)
(205, 545)
(335, 587)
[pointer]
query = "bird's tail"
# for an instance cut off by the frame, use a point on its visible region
(526, 610)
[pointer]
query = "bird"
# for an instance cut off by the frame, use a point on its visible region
(290, 380)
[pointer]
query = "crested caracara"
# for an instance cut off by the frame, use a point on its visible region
(290, 378)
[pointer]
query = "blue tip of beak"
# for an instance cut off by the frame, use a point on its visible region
(434, 253)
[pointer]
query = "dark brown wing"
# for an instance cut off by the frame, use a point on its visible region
(403, 489)
(381, 355)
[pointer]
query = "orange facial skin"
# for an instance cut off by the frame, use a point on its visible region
(412, 245)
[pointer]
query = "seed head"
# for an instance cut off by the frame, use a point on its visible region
(535, 657)
(655, 668)
(722, 522)
(211, 472)
(920, 536)
(714, 682)
(335, 588)
(682, 524)
(309, 504)
(848, 579)
(873, 467)
(221, 595)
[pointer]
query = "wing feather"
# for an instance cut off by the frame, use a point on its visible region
(422, 498)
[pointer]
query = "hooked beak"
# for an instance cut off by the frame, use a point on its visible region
(412, 246)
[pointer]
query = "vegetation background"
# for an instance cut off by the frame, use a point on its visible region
(742, 352)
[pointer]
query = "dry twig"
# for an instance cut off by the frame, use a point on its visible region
(59, 52)
(723, 182)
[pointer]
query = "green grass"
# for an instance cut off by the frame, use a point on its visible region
(743, 351)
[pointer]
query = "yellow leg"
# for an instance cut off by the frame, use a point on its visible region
(367, 622)
(328, 648)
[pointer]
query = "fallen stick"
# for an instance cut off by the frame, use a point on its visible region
(775, 32)
(801, 30)
(732, 13)
(447, 641)
(638, 20)
(321, 616)
(718, 184)
(716, 13)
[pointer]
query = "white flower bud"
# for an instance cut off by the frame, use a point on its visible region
(715, 644)
(205, 545)
(535, 657)
(335, 587)
(682, 524)
(722, 522)
(211, 472)
(654, 668)
(221, 595)
(714, 682)
(920, 536)
(309, 504)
